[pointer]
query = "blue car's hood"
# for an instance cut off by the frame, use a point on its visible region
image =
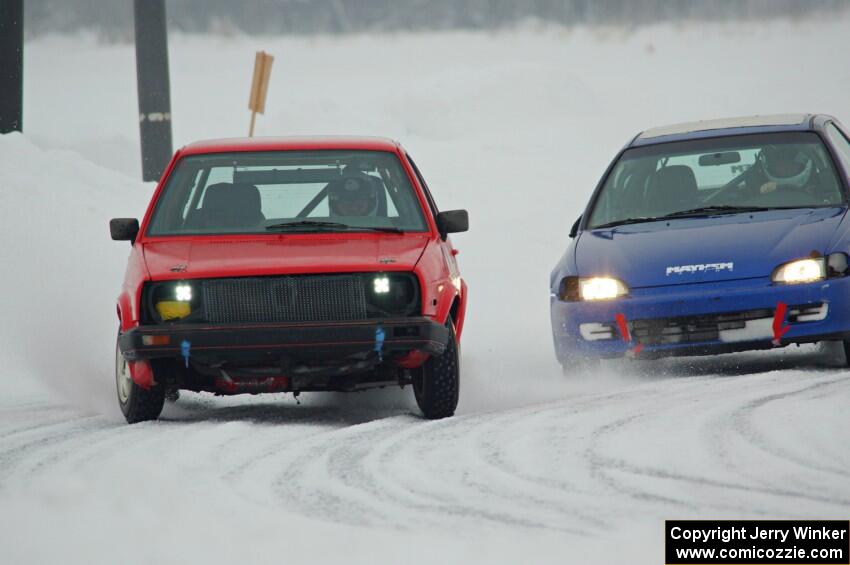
(716, 248)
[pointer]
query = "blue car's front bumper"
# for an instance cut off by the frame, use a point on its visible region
(702, 318)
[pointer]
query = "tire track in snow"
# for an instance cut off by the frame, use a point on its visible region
(484, 491)
(602, 466)
(718, 425)
(29, 447)
(743, 424)
(346, 479)
(381, 467)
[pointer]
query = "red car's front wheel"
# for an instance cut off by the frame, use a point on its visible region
(436, 384)
(137, 404)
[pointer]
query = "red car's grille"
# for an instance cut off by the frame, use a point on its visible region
(285, 299)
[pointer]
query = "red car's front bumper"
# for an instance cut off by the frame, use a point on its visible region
(332, 340)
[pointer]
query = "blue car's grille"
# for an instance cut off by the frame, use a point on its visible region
(693, 329)
(707, 327)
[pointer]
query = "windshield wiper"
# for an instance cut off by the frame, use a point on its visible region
(702, 211)
(719, 209)
(627, 221)
(322, 225)
(306, 224)
(385, 229)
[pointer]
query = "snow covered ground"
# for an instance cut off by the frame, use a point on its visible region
(515, 126)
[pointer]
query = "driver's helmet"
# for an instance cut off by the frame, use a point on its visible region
(353, 195)
(786, 165)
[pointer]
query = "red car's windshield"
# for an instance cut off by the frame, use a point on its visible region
(287, 191)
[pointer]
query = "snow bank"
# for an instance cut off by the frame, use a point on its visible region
(61, 271)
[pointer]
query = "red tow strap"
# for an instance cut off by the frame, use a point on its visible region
(780, 328)
(623, 326)
(142, 374)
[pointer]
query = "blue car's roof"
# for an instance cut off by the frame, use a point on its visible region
(727, 126)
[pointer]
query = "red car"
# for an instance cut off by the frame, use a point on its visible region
(290, 265)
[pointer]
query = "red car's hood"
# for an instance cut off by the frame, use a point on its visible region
(219, 257)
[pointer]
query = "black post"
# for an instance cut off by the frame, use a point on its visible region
(154, 92)
(11, 65)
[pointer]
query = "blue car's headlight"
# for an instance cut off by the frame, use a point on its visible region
(800, 271)
(811, 269)
(591, 288)
(601, 288)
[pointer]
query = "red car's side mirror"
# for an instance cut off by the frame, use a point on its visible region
(124, 229)
(452, 221)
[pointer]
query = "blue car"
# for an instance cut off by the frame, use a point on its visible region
(711, 237)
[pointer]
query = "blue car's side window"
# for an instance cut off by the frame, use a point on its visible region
(841, 145)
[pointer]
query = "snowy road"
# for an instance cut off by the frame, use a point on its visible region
(535, 468)
(713, 438)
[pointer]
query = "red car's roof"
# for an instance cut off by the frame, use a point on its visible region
(289, 144)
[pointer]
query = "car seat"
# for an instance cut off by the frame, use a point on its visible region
(672, 189)
(231, 205)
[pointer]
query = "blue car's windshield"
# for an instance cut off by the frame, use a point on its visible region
(719, 175)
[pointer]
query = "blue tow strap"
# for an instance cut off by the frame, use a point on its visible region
(380, 335)
(184, 351)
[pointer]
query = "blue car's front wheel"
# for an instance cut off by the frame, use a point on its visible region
(846, 344)
(576, 363)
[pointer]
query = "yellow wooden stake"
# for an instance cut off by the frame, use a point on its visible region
(259, 87)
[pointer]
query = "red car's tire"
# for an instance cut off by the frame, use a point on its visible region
(137, 404)
(436, 385)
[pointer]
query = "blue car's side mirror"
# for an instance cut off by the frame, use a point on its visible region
(574, 229)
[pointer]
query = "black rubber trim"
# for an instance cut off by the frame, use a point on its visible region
(334, 338)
